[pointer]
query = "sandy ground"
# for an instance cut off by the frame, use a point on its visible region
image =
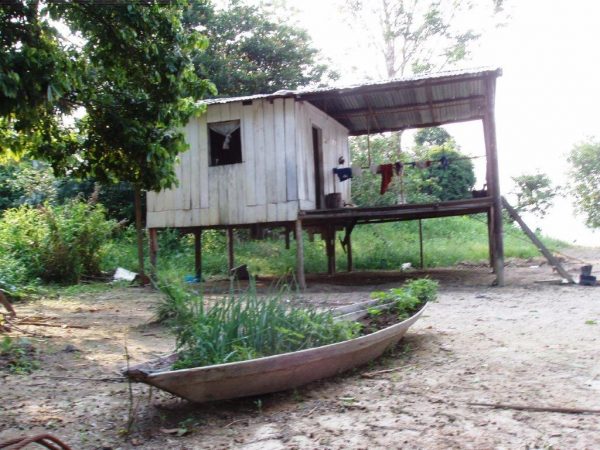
(529, 343)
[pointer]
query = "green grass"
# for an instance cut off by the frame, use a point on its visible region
(446, 242)
(244, 325)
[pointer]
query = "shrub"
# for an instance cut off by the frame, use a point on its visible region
(53, 243)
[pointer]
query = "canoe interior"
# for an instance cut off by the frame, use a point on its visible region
(272, 373)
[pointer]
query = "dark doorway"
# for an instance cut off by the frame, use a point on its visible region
(317, 137)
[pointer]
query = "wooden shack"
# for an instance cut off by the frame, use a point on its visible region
(267, 160)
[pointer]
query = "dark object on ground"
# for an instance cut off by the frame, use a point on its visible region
(45, 440)
(240, 272)
(587, 280)
(4, 302)
(586, 270)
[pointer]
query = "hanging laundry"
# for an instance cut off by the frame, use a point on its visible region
(444, 162)
(399, 168)
(387, 172)
(344, 173)
(422, 164)
(357, 171)
(374, 168)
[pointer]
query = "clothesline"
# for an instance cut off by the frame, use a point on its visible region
(414, 163)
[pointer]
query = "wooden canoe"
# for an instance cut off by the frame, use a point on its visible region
(271, 373)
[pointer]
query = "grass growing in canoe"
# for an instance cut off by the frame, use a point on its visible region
(244, 325)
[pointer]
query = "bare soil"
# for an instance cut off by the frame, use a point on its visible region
(530, 343)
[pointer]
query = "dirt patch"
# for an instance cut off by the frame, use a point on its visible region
(528, 343)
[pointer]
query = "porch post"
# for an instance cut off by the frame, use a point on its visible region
(230, 255)
(300, 256)
(153, 247)
(198, 253)
(493, 182)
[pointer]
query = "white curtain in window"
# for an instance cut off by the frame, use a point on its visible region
(225, 129)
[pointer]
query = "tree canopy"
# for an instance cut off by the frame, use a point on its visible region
(127, 67)
(535, 193)
(584, 160)
(251, 52)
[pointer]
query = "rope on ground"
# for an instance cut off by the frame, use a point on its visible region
(45, 440)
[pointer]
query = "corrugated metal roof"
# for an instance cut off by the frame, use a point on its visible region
(410, 102)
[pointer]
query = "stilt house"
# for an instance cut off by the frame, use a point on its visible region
(267, 160)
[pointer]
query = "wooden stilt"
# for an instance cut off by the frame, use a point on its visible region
(421, 264)
(287, 238)
(230, 255)
(198, 253)
(330, 247)
(349, 252)
(153, 247)
(300, 256)
(138, 226)
(490, 224)
(493, 181)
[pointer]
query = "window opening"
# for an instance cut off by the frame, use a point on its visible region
(225, 143)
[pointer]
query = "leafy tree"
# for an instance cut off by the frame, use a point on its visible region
(432, 136)
(584, 159)
(535, 193)
(131, 70)
(37, 77)
(251, 52)
(443, 182)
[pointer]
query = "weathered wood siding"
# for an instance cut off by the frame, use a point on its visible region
(334, 144)
(275, 179)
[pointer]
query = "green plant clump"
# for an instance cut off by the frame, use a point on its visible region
(53, 243)
(18, 356)
(245, 326)
(409, 298)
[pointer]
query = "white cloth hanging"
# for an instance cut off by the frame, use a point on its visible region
(225, 129)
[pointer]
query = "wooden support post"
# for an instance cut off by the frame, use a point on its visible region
(287, 237)
(300, 256)
(491, 243)
(330, 248)
(137, 195)
(153, 247)
(421, 264)
(349, 252)
(230, 255)
(198, 253)
(542, 248)
(493, 181)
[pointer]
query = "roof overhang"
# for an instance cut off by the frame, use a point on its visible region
(415, 102)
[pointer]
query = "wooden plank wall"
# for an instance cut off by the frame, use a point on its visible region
(263, 188)
(335, 144)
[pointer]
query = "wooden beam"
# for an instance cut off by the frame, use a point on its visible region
(541, 247)
(287, 238)
(153, 247)
(300, 256)
(490, 227)
(493, 178)
(413, 107)
(416, 124)
(330, 248)
(230, 255)
(198, 253)
(137, 196)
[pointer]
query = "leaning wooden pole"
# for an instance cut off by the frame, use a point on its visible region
(300, 256)
(153, 247)
(541, 247)
(493, 181)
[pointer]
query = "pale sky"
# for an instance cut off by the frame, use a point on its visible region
(547, 98)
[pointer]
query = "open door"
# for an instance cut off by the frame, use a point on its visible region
(317, 137)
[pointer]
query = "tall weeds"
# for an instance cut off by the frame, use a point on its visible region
(244, 325)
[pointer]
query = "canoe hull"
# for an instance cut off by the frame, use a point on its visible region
(272, 373)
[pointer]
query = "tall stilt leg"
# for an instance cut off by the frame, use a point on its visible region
(300, 256)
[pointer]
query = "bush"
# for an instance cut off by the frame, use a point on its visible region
(58, 244)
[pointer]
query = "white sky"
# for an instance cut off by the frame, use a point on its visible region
(547, 98)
